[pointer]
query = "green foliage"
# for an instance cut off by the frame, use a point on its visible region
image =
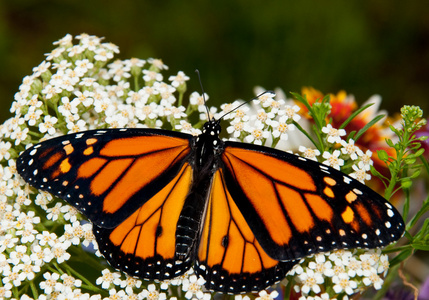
(318, 112)
(404, 167)
(407, 149)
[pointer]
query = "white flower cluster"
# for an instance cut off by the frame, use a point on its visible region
(78, 87)
(191, 287)
(362, 162)
(267, 120)
(349, 152)
(262, 295)
(345, 271)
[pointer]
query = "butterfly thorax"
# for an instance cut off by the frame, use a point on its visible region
(208, 144)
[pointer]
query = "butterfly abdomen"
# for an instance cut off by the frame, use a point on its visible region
(191, 216)
(187, 231)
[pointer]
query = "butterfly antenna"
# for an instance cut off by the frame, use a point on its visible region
(254, 98)
(202, 90)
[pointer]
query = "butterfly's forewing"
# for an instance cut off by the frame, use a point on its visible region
(229, 256)
(144, 245)
(296, 207)
(106, 174)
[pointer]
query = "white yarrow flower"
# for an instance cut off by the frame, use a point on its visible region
(332, 159)
(309, 153)
(334, 135)
(48, 125)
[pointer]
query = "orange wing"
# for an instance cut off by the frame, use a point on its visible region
(144, 245)
(229, 256)
(106, 174)
(296, 207)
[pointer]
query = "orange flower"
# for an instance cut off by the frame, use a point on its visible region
(342, 107)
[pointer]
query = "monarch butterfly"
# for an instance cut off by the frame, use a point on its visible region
(243, 215)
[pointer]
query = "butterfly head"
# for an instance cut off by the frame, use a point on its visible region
(211, 131)
(212, 127)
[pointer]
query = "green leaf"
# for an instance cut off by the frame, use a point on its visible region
(382, 154)
(353, 115)
(408, 235)
(406, 183)
(367, 126)
(306, 134)
(351, 135)
(392, 167)
(422, 234)
(420, 247)
(390, 143)
(410, 160)
(301, 99)
(376, 173)
(415, 174)
(406, 208)
(403, 255)
(320, 110)
(419, 152)
(425, 163)
(396, 131)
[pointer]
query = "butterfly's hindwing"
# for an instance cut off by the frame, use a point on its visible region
(144, 245)
(229, 256)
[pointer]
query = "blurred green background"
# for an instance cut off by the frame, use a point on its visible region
(364, 47)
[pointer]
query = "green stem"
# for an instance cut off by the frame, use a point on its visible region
(136, 83)
(34, 290)
(88, 283)
(15, 293)
(306, 134)
(395, 170)
(389, 190)
(179, 103)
